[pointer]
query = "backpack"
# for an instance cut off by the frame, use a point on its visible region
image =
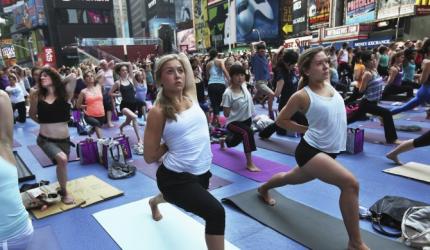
(389, 211)
(416, 227)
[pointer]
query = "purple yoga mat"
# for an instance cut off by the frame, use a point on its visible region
(235, 161)
(150, 170)
(16, 144)
(44, 160)
(43, 238)
(276, 144)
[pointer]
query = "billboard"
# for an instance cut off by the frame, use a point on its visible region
(186, 40)
(257, 20)
(29, 15)
(202, 31)
(217, 15)
(299, 16)
(319, 13)
(422, 7)
(161, 9)
(83, 4)
(393, 8)
(358, 11)
(183, 11)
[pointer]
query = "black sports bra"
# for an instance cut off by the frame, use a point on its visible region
(58, 111)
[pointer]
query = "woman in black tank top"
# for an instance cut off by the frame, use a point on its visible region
(49, 106)
(128, 105)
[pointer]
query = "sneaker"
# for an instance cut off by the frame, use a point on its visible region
(141, 123)
(138, 149)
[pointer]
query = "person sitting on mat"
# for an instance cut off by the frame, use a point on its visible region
(323, 140)
(50, 107)
(183, 176)
(423, 94)
(239, 108)
(91, 98)
(422, 141)
(16, 228)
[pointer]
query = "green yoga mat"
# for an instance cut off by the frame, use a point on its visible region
(304, 224)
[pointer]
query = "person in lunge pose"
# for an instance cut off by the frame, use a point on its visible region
(405, 146)
(238, 108)
(323, 140)
(183, 176)
(50, 107)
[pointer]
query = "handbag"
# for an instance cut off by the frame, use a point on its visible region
(118, 167)
(354, 140)
(87, 151)
(123, 140)
(113, 149)
(389, 211)
(416, 227)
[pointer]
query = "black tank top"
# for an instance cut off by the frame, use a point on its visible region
(128, 93)
(58, 111)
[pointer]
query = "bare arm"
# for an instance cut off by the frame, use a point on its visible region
(279, 86)
(226, 111)
(222, 65)
(190, 85)
(366, 79)
(70, 83)
(6, 128)
(114, 88)
(392, 75)
(33, 105)
(152, 135)
(426, 72)
(299, 102)
(80, 100)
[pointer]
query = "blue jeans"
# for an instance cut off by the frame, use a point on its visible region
(422, 97)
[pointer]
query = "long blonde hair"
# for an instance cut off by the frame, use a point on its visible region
(166, 104)
(304, 64)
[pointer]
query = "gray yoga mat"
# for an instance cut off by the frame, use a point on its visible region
(276, 144)
(304, 224)
(24, 173)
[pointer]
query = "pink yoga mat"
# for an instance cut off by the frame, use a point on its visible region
(150, 170)
(234, 160)
(44, 160)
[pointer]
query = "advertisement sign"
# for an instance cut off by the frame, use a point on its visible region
(8, 51)
(202, 31)
(422, 7)
(83, 4)
(217, 15)
(359, 11)
(287, 16)
(160, 8)
(186, 40)
(293, 43)
(319, 13)
(299, 16)
(375, 42)
(29, 15)
(255, 21)
(342, 32)
(230, 24)
(184, 11)
(393, 8)
(48, 56)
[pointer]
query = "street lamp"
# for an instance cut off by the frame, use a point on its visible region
(258, 33)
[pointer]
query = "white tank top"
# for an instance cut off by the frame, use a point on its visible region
(188, 142)
(327, 122)
(344, 57)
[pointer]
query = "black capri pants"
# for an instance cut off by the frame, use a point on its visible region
(215, 92)
(95, 121)
(189, 192)
(305, 152)
(241, 131)
(422, 141)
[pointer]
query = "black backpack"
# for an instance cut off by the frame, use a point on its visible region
(389, 211)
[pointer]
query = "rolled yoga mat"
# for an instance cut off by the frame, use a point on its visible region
(304, 224)
(44, 160)
(131, 226)
(150, 170)
(276, 144)
(235, 161)
(24, 173)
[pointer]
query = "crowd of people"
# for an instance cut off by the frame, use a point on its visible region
(189, 96)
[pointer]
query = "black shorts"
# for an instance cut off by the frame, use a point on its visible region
(305, 152)
(95, 121)
(130, 105)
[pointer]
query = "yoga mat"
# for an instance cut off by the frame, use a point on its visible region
(277, 145)
(16, 144)
(378, 137)
(131, 226)
(43, 238)
(44, 160)
(24, 174)
(86, 191)
(377, 125)
(413, 170)
(304, 224)
(150, 170)
(235, 161)
(421, 118)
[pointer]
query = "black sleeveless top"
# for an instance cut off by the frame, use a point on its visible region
(58, 111)
(128, 93)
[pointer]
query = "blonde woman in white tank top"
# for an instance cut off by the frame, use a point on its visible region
(315, 158)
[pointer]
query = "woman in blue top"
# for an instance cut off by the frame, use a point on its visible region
(409, 67)
(16, 228)
(394, 83)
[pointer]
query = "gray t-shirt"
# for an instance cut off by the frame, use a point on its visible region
(241, 104)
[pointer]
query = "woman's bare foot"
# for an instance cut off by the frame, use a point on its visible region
(264, 194)
(222, 143)
(397, 142)
(67, 199)
(251, 167)
(394, 157)
(111, 125)
(156, 215)
(358, 246)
